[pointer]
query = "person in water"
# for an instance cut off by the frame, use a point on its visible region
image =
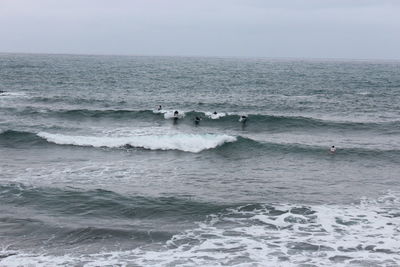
(333, 150)
(176, 115)
(159, 107)
(197, 120)
(243, 118)
(215, 113)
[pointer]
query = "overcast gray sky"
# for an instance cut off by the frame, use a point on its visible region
(264, 28)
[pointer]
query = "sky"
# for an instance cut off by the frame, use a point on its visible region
(354, 29)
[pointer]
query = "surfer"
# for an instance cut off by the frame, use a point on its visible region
(333, 150)
(176, 116)
(159, 107)
(243, 119)
(197, 120)
(215, 113)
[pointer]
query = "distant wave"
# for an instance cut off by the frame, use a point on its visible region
(89, 208)
(73, 100)
(262, 121)
(101, 203)
(10, 138)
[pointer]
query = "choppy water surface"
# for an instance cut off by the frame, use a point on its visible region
(92, 174)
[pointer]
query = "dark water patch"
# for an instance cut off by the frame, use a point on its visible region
(47, 232)
(301, 246)
(81, 114)
(284, 123)
(99, 114)
(302, 211)
(75, 100)
(95, 234)
(245, 147)
(16, 139)
(6, 254)
(102, 203)
(339, 258)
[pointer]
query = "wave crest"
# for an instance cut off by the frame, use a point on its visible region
(185, 142)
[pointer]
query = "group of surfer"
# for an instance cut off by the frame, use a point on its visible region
(243, 119)
(197, 119)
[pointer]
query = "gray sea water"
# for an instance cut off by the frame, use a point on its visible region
(92, 174)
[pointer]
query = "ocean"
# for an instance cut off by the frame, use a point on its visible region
(93, 174)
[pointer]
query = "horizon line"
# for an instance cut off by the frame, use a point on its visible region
(201, 56)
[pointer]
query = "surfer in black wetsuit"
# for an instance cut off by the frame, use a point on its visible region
(176, 116)
(159, 107)
(333, 150)
(243, 120)
(197, 120)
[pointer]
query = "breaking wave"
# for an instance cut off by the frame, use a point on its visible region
(185, 142)
(195, 143)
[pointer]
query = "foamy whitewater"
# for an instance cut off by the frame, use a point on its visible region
(92, 173)
(184, 142)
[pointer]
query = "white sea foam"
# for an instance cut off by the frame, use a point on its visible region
(213, 116)
(365, 234)
(184, 142)
(12, 94)
(288, 235)
(169, 114)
